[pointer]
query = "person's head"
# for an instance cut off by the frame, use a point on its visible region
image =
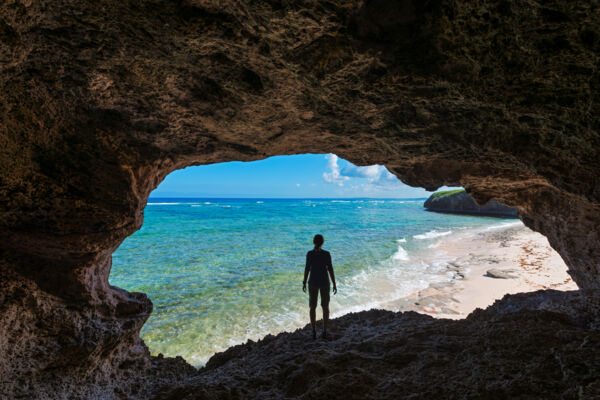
(318, 240)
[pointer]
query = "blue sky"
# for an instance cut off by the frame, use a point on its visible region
(306, 175)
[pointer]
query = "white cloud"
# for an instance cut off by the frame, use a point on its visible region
(375, 175)
(298, 185)
(334, 176)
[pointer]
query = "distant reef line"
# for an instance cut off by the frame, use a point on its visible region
(459, 202)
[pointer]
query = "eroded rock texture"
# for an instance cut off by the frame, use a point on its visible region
(379, 354)
(100, 100)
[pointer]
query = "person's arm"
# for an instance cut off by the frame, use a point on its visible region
(332, 275)
(306, 271)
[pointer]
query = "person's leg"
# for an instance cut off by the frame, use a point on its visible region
(312, 303)
(325, 306)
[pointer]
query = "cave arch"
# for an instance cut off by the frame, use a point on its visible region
(100, 105)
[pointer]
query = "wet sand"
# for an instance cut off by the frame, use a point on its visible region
(484, 266)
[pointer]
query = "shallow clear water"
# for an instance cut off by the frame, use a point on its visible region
(221, 271)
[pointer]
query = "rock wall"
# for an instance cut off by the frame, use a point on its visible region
(99, 101)
(459, 202)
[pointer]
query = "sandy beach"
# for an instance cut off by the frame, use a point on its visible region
(483, 266)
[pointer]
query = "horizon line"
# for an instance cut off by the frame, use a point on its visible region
(279, 198)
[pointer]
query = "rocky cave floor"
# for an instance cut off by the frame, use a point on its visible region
(540, 345)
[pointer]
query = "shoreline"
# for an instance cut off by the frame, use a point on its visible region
(484, 266)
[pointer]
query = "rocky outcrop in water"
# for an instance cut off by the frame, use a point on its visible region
(459, 202)
(99, 101)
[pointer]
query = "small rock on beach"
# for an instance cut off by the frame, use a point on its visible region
(502, 273)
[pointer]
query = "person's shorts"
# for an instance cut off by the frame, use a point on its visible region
(313, 293)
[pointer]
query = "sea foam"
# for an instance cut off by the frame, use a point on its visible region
(505, 225)
(432, 234)
(400, 254)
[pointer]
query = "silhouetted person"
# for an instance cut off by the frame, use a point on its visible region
(318, 264)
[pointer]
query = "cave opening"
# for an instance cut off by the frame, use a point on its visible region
(221, 251)
(101, 100)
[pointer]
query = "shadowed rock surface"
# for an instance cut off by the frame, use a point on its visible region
(459, 202)
(539, 345)
(100, 100)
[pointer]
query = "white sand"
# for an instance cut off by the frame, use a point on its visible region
(514, 250)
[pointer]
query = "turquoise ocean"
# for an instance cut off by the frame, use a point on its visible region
(222, 271)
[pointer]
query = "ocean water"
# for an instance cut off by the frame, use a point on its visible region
(222, 271)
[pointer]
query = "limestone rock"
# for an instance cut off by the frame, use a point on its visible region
(534, 339)
(508, 273)
(459, 202)
(99, 101)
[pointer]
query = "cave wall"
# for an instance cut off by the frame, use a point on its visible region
(100, 100)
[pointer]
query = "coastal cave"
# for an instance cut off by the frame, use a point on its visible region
(101, 100)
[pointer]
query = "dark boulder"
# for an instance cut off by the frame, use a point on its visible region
(459, 202)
